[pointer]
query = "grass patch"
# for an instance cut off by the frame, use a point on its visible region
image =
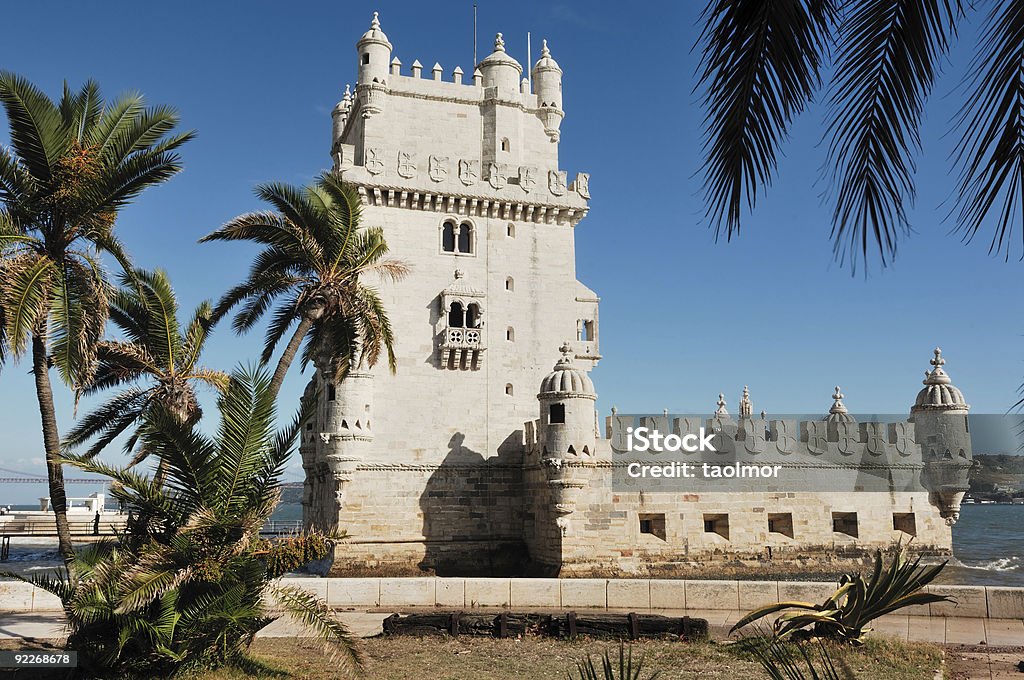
(442, 658)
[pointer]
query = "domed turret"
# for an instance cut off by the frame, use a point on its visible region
(374, 54)
(940, 422)
(547, 78)
(339, 116)
(939, 393)
(500, 70)
(568, 433)
(838, 413)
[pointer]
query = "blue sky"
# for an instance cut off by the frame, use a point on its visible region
(682, 318)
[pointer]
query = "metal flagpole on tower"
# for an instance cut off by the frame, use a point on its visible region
(529, 61)
(474, 36)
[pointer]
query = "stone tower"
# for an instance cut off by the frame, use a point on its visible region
(464, 178)
(939, 415)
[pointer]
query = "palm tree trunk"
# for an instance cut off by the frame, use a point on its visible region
(305, 323)
(51, 443)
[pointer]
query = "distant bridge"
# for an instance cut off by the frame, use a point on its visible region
(30, 479)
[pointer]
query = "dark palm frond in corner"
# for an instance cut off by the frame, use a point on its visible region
(760, 67)
(990, 154)
(889, 54)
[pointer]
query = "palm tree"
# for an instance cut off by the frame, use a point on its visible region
(762, 64)
(157, 352)
(72, 165)
(315, 258)
(194, 594)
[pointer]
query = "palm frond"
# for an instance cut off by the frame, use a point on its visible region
(887, 64)
(313, 613)
(36, 130)
(990, 154)
(26, 288)
(760, 68)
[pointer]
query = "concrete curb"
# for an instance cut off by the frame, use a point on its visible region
(639, 595)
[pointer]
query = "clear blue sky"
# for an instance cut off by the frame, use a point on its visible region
(682, 318)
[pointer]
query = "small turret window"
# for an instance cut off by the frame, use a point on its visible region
(556, 414)
(366, 57)
(332, 392)
(510, 283)
(509, 390)
(505, 145)
(511, 232)
(510, 334)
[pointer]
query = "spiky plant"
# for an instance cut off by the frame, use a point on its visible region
(157, 361)
(193, 594)
(624, 668)
(781, 662)
(313, 267)
(858, 601)
(72, 165)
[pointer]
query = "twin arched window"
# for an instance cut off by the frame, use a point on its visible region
(457, 238)
(468, 317)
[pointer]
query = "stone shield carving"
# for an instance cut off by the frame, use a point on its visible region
(437, 168)
(556, 182)
(583, 184)
(527, 178)
(374, 161)
(469, 172)
(406, 164)
(497, 176)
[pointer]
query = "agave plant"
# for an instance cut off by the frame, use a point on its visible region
(193, 592)
(857, 602)
(780, 662)
(625, 669)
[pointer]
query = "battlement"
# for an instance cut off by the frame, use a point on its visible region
(835, 441)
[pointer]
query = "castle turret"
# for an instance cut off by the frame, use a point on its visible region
(339, 116)
(547, 79)
(501, 71)
(374, 52)
(346, 435)
(568, 433)
(940, 421)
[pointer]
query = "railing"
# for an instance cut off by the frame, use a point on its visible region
(281, 527)
(463, 338)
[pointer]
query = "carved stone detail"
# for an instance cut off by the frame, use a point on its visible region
(469, 172)
(527, 178)
(556, 182)
(406, 164)
(437, 168)
(374, 161)
(497, 175)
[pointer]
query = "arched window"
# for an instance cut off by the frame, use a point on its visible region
(465, 244)
(510, 283)
(505, 145)
(511, 232)
(473, 316)
(510, 334)
(448, 237)
(456, 316)
(508, 389)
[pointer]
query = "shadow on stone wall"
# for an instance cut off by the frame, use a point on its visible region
(473, 512)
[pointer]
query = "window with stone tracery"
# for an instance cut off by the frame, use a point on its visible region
(458, 238)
